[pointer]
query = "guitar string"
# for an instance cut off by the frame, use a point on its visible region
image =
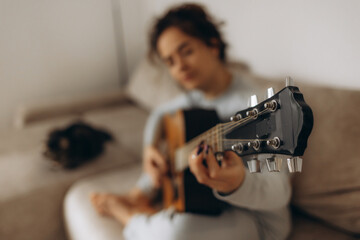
(217, 130)
(220, 127)
(213, 132)
(226, 126)
(184, 162)
(263, 111)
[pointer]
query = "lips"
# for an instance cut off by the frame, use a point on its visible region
(188, 77)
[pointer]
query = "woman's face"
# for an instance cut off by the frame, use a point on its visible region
(190, 61)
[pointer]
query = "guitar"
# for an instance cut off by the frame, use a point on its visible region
(275, 129)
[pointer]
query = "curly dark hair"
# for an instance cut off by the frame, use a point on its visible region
(193, 20)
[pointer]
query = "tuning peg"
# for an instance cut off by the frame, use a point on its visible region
(294, 164)
(254, 165)
(274, 164)
(275, 142)
(238, 148)
(254, 144)
(289, 81)
(253, 101)
(270, 92)
(235, 118)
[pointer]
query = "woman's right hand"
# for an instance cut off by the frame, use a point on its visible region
(155, 165)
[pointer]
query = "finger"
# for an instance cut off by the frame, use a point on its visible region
(231, 159)
(213, 166)
(153, 168)
(197, 167)
(154, 173)
(155, 176)
(196, 152)
(200, 171)
(159, 160)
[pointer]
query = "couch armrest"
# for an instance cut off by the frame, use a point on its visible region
(31, 112)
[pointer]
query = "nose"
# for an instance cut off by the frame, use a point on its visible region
(181, 64)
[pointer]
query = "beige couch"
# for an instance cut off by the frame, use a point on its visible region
(326, 195)
(33, 189)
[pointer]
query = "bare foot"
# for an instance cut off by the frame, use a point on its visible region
(101, 202)
(122, 208)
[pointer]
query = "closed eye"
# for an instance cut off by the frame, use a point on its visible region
(187, 52)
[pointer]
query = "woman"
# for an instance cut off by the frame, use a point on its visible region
(188, 41)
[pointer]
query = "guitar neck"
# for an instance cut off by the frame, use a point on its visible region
(214, 137)
(218, 138)
(277, 128)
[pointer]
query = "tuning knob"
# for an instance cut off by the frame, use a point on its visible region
(294, 164)
(253, 101)
(270, 92)
(275, 142)
(272, 105)
(235, 118)
(289, 81)
(274, 164)
(253, 113)
(238, 148)
(254, 144)
(254, 165)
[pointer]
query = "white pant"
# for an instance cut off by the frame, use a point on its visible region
(83, 222)
(233, 223)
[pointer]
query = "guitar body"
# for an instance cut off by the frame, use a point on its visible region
(181, 189)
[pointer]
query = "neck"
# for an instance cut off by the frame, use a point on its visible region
(218, 84)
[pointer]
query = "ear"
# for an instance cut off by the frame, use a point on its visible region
(215, 47)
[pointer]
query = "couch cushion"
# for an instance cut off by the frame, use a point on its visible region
(31, 186)
(125, 122)
(305, 227)
(151, 85)
(329, 185)
(32, 191)
(31, 112)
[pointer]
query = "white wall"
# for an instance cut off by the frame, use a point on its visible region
(62, 48)
(50, 49)
(317, 41)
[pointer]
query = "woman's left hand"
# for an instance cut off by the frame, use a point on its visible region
(225, 178)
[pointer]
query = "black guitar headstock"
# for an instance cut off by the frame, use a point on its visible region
(275, 129)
